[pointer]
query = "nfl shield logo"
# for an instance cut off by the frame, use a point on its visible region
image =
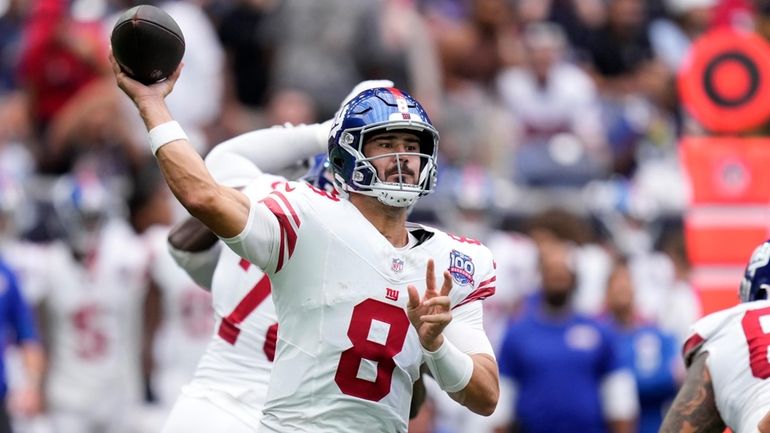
(397, 265)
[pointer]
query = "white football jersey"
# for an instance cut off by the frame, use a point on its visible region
(93, 313)
(187, 322)
(240, 356)
(347, 355)
(737, 341)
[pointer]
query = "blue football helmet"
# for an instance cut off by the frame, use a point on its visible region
(374, 111)
(83, 204)
(756, 279)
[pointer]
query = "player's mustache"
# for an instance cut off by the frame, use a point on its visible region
(405, 171)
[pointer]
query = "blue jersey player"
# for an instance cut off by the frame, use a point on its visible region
(18, 327)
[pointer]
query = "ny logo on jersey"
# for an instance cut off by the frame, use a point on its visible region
(461, 267)
(391, 294)
(397, 265)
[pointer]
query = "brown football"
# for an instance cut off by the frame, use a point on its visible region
(147, 43)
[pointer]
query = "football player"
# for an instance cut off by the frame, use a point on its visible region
(230, 384)
(89, 299)
(359, 311)
(727, 362)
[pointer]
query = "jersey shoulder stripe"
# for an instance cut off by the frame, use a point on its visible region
(288, 241)
(691, 348)
(485, 290)
(711, 326)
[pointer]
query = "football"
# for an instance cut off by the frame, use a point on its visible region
(147, 43)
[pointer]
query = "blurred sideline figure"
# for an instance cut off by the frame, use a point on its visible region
(727, 363)
(560, 369)
(21, 392)
(89, 298)
(652, 354)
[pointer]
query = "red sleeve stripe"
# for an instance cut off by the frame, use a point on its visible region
(690, 347)
(288, 234)
(278, 212)
(480, 293)
(486, 282)
(288, 207)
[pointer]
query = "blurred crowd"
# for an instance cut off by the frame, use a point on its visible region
(559, 123)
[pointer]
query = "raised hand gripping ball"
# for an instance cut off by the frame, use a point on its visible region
(147, 43)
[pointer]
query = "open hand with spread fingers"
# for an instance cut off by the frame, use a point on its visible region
(431, 314)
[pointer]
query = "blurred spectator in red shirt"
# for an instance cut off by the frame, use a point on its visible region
(60, 57)
(73, 104)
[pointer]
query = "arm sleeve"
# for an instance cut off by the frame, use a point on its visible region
(466, 330)
(199, 265)
(239, 160)
(619, 396)
(270, 236)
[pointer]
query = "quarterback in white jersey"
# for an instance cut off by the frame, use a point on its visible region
(347, 334)
(232, 377)
(727, 359)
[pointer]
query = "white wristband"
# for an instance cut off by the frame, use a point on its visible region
(451, 368)
(165, 133)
